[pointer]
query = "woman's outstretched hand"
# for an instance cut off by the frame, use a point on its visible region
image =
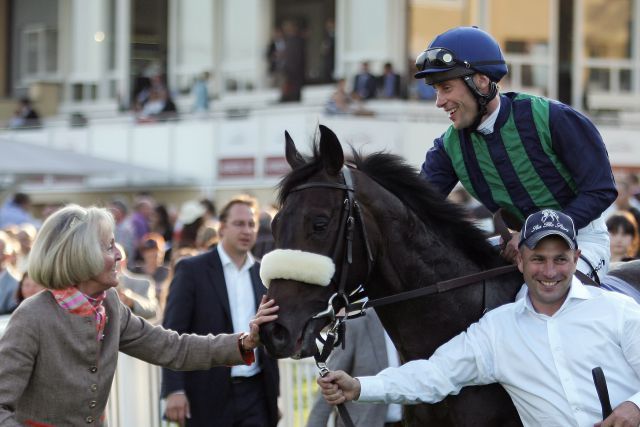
(266, 313)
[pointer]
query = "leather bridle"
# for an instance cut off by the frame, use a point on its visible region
(351, 213)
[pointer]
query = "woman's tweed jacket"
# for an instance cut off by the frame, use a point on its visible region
(53, 371)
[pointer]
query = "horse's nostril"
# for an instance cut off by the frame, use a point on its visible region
(279, 334)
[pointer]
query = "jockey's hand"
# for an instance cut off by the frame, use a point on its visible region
(510, 251)
(338, 387)
(626, 414)
(266, 313)
(177, 409)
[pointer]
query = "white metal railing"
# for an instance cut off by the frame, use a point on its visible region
(135, 393)
(134, 398)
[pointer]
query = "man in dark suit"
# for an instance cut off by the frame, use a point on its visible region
(364, 83)
(389, 83)
(218, 292)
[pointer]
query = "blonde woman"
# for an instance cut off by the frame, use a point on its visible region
(60, 349)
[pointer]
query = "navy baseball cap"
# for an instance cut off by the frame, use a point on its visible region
(548, 222)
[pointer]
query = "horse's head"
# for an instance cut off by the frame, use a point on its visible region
(318, 213)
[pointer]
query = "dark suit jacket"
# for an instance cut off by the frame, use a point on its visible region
(368, 81)
(198, 303)
(397, 87)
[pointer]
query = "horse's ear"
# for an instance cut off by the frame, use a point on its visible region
(330, 151)
(294, 158)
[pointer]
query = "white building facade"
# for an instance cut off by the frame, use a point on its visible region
(91, 54)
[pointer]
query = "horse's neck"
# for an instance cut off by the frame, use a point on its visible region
(411, 257)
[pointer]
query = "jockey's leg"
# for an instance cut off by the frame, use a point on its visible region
(593, 242)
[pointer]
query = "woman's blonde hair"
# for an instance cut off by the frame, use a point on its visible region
(69, 247)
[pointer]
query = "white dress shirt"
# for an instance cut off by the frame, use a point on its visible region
(544, 362)
(241, 302)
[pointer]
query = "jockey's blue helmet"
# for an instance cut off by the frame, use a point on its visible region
(459, 52)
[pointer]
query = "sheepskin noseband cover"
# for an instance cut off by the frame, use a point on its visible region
(296, 265)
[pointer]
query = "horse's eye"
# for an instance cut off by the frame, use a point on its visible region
(320, 224)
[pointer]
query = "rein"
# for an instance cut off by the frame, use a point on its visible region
(437, 288)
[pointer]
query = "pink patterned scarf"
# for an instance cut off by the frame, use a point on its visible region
(75, 302)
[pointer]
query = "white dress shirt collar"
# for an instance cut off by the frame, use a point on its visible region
(486, 127)
(576, 291)
(225, 259)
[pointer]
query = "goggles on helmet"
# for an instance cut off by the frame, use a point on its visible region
(437, 57)
(440, 57)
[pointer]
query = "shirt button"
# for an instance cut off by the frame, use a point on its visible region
(93, 369)
(89, 419)
(92, 404)
(94, 387)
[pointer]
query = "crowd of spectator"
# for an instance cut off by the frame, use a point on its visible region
(352, 97)
(153, 239)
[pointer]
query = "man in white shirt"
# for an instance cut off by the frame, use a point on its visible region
(541, 348)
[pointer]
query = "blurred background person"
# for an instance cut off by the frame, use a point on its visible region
(264, 240)
(625, 201)
(140, 220)
(124, 231)
(275, 57)
(623, 235)
(207, 236)
(27, 288)
(389, 83)
(136, 291)
(364, 83)
(190, 219)
(200, 93)
(16, 211)
(9, 280)
(152, 265)
(210, 210)
(340, 101)
(24, 116)
(25, 235)
(328, 51)
(293, 62)
(162, 222)
(159, 107)
(178, 255)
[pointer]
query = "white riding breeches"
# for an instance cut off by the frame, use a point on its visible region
(593, 242)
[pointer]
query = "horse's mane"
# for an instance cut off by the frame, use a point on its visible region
(398, 177)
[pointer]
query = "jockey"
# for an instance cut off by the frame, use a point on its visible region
(515, 151)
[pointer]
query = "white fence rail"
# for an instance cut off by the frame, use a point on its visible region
(134, 400)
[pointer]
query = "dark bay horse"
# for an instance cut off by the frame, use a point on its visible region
(415, 239)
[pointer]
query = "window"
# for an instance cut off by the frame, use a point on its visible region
(40, 52)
